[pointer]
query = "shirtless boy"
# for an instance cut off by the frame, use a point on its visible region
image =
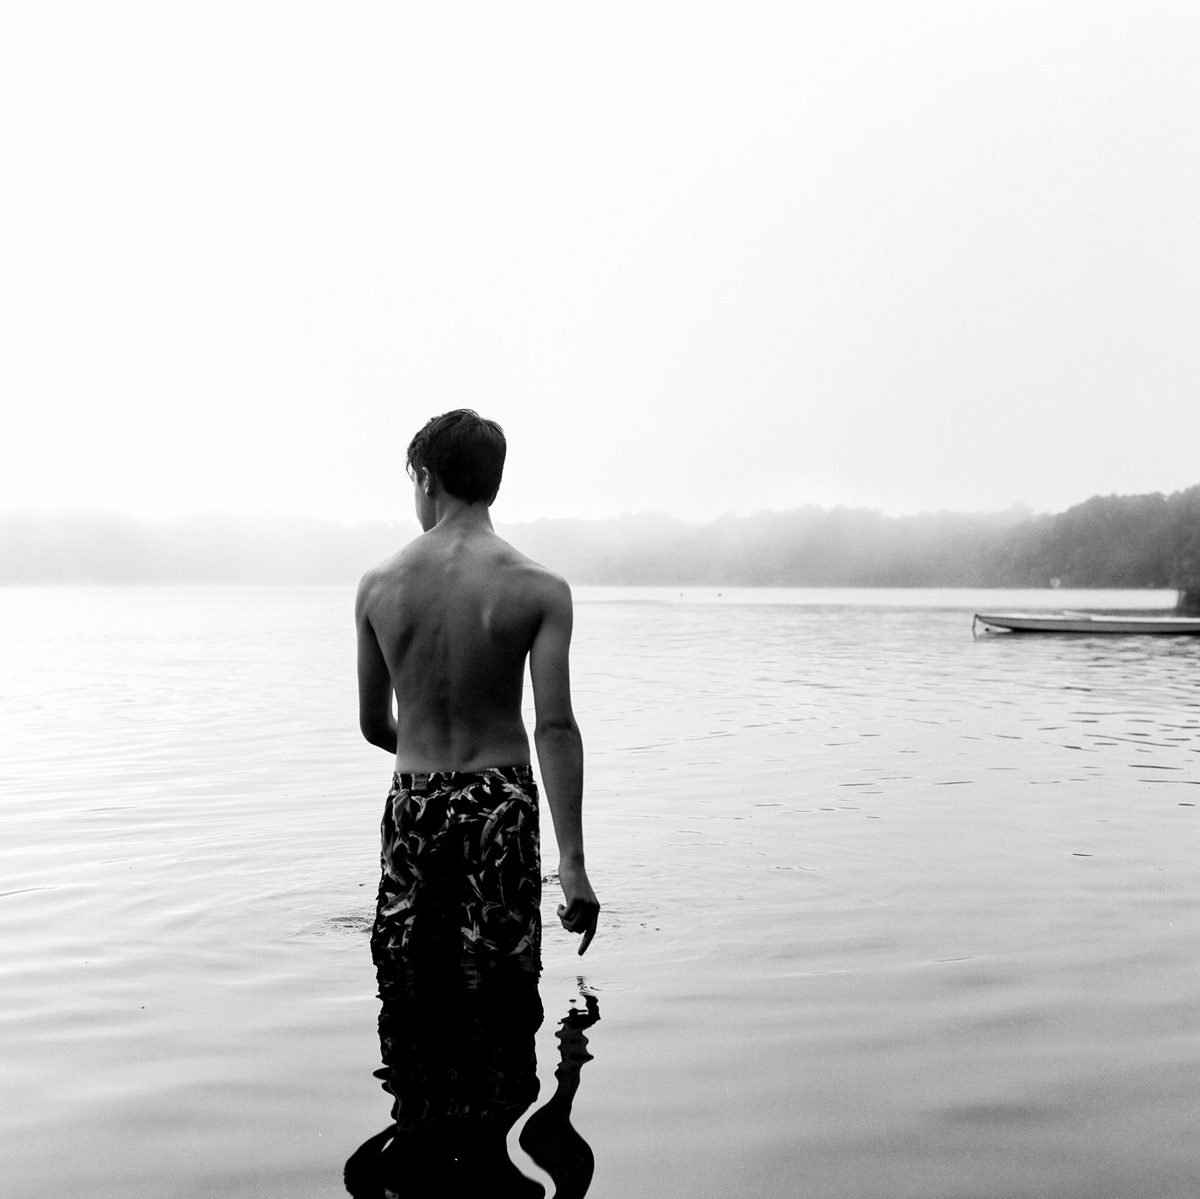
(446, 626)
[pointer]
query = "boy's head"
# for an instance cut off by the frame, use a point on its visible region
(464, 451)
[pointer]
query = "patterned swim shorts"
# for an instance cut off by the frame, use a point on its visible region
(460, 865)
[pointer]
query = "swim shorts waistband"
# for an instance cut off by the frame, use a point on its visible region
(436, 780)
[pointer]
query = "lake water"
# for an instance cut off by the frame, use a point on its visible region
(890, 910)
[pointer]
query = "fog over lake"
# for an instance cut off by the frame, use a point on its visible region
(1114, 541)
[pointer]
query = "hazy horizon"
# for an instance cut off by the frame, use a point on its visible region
(1141, 541)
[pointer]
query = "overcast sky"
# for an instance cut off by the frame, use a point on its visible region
(694, 258)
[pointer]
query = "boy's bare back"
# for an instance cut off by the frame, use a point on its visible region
(455, 614)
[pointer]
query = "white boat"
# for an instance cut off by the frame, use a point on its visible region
(1087, 622)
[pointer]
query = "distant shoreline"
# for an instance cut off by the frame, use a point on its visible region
(1123, 542)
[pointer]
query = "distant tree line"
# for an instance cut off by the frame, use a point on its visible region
(1108, 541)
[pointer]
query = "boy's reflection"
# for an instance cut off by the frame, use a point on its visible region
(458, 1060)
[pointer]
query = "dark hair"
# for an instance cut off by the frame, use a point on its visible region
(464, 451)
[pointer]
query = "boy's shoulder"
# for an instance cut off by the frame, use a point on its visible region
(534, 576)
(389, 575)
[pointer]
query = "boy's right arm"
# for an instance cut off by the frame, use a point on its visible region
(375, 718)
(560, 755)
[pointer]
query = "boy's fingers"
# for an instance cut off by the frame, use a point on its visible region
(579, 917)
(588, 934)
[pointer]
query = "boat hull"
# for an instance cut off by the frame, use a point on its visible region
(1085, 622)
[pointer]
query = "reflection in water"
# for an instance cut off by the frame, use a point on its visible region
(459, 1062)
(548, 1136)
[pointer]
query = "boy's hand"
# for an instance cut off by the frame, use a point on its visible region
(582, 909)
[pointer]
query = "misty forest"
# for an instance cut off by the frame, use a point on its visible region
(1138, 541)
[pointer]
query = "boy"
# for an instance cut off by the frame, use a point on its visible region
(446, 626)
